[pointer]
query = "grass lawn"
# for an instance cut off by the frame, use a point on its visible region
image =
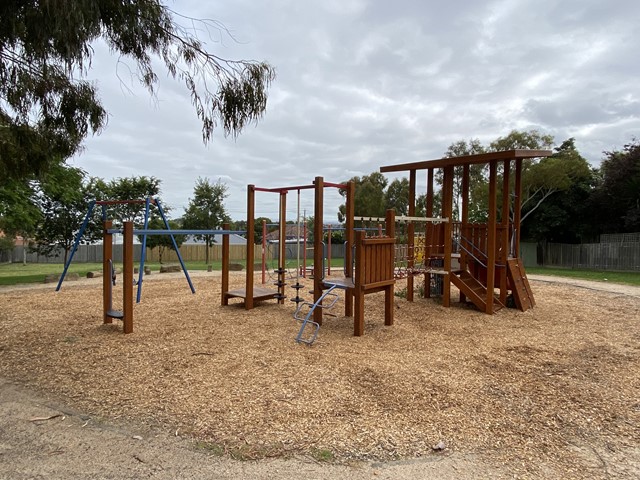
(14, 273)
(627, 278)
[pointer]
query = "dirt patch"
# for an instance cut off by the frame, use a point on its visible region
(551, 392)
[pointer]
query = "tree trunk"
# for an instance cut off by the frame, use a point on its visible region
(207, 242)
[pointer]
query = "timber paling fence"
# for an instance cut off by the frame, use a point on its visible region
(593, 256)
(190, 253)
(610, 255)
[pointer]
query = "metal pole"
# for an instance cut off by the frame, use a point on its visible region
(76, 243)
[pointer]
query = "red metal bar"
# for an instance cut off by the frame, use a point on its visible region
(122, 202)
(329, 252)
(264, 250)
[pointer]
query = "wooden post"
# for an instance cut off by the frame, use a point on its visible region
(429, 236)
(390, 222)
(318, 272)
(410, 235)
(127, 282)
(358, 291)
(350, 239)
(282, 244)
(447, 211)
(517, 206)
(251, 194)
(491, 235)
(464, 220)
(107, 260)
(504, 237)
(225, 266)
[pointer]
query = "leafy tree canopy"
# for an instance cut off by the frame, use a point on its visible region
(47, 105)
(62, 197)
(617, 198)
(369, 196)
(128, 188)
(206, 210)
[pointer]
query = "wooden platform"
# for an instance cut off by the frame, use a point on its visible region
(258, 294)
(341, 282)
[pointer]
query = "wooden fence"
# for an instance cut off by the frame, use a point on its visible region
(592, 256)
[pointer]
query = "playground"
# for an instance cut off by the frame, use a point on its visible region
(550, 392)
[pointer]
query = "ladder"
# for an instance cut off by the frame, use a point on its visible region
(307, 319)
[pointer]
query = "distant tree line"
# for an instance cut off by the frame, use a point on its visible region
(564, 198)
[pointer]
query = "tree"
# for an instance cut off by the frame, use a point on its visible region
(369, 196)
(538, 180)
(552, 174)
(163, 242)
(616, 201)
(63, 199)
(128, 188)
(397, 196)
(48, 106)
(206, 210)
(477, 180)
(516, 139)
(564, 216)
(7, 244)
(19, 215)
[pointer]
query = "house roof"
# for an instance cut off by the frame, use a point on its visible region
(291, 233)
(234, 239)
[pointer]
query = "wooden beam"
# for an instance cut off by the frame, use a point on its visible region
(225, 266)
(447, 211)
(466, 160)
(107, 256)
(350, 238)
(282, 246)
(429, 231)
(127, 278)
(517, 207)
(464, 220)
(251, 194)
(491, 236)
(504, 237)
(318, 272)
(410, 234)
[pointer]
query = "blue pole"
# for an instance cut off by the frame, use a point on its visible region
(143, 253)
(92, 204)
(175, 246)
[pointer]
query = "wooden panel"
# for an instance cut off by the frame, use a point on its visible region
(522, 293)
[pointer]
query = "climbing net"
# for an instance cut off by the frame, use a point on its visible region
(411, 257)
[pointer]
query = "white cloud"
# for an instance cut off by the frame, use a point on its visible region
(367, 83)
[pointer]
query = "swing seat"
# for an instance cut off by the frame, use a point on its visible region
(115, 314)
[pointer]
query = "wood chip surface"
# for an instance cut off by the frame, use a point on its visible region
(547, 387)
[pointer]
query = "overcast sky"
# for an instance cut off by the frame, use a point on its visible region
(361, 84)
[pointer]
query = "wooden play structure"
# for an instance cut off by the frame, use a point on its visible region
(128, 283)
(477, 258)
(108, 277)
(371, 272)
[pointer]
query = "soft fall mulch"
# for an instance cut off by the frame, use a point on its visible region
(555, 387)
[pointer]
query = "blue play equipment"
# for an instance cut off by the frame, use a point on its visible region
(144, 232)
